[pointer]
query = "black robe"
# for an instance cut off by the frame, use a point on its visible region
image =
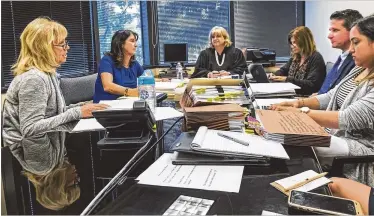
(234, 62)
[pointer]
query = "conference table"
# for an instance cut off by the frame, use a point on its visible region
(255, 195)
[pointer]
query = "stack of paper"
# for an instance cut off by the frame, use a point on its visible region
(207, 95)
(305, 181)
(266, 90)
(292, 128)
(220, 117)
(216, 178)
(166, 87)
(209, 141)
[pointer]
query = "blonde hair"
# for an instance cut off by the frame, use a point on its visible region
(220, 31)
(304, 40)
(53, 191)
(37, 46)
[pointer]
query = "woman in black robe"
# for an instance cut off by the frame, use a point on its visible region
(221, 58)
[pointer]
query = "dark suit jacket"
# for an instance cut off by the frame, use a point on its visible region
(345, 68)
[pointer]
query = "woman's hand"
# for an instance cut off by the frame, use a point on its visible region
(214, 74)
(278, 78)
(131, 92)
(286, 108)
(295, 104)
(87, 109)
(224, 73)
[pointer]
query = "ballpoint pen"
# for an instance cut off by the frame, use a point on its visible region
(306, 181)
(233, 139)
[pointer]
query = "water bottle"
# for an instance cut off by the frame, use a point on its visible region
(146, 87)
(179, 71)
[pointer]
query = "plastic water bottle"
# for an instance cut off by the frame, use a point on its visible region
(146, 87)
(179, 71)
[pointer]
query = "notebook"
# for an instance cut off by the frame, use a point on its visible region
(292, 128)
(305, 181)
(207, 140)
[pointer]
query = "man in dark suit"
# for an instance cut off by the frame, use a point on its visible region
(340, 25)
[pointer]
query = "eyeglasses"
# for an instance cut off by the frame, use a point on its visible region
(63, 46)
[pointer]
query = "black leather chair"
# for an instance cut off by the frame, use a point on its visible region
(339, 162)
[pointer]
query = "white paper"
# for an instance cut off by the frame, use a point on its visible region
(269, 213)
(257, 145)
(163, 113)
(262, 103)
(273, 87)
(292, 180)
(216, 178)
(91, 124)
(166, 86)
(87, 125)
(126, 103)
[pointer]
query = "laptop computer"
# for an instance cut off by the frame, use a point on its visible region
(258, 73)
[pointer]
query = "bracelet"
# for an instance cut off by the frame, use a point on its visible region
(126, 92)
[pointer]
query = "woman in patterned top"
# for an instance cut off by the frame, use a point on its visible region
(306, 67)
(348, 109)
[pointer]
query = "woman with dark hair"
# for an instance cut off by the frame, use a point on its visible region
(306, 67)
(348, 109)
(118, 70)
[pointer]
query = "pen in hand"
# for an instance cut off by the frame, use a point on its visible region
(233, 139)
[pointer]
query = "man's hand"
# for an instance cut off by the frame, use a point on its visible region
(224, 73)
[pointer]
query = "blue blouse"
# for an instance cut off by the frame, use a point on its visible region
(126, 77)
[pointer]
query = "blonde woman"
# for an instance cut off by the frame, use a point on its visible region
(35, 117)
(221, 58)
(306, 67)
(348, 109)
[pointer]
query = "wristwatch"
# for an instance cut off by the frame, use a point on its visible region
(304, 110)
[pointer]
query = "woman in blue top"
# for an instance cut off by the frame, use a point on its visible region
(118, 70)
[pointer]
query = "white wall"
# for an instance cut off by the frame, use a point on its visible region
(317, 18)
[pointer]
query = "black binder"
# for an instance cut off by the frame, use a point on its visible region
(188, 156)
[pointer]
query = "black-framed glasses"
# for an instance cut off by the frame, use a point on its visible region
(63, 46)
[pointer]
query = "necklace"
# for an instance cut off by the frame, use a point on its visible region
(223, 59)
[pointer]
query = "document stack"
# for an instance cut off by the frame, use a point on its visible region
(272, 90)
(292, 128)
(208, 95)
(232, 145)
(219, 117)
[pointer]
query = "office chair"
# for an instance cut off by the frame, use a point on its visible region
(78, 89)
(16, 187)
(339, 162)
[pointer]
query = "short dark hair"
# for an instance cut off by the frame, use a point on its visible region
(118, 39)
(366, 26)
(348, 15)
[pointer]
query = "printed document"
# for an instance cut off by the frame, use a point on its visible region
(215, 178)
(161, 113)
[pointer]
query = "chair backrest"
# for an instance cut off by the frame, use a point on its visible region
(329, 66)
(78, 89)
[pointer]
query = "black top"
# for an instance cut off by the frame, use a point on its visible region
(234, 62)
(309, 76)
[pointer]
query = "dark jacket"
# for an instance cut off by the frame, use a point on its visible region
(345, 68)
(234, 62)
(314, 76)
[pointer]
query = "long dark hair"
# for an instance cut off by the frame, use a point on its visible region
(116, 51)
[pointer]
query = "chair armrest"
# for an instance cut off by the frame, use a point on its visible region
(338, 163)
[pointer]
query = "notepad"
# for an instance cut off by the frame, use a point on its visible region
(208, 141)
(305, 180)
